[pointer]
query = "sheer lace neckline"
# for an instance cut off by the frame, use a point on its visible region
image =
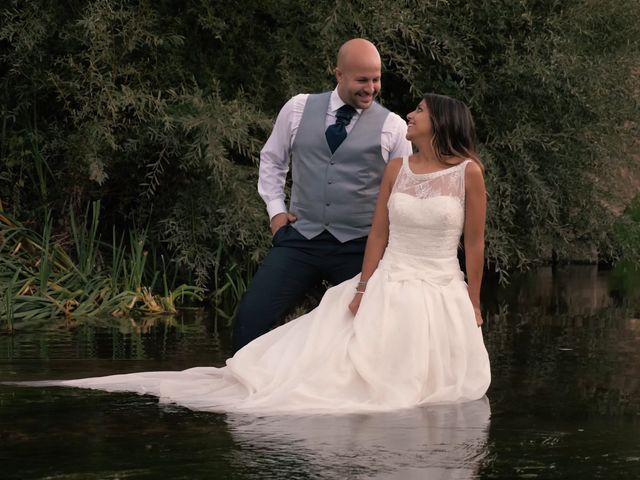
(437, 173)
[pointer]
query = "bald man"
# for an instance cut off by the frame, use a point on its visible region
(339, 143)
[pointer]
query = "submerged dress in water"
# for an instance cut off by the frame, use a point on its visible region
(413, 341)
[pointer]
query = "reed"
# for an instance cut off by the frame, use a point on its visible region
(40, 281)
(229, 288)
(85, 238)
(8, 300)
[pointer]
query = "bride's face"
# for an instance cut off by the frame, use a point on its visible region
(419, 123)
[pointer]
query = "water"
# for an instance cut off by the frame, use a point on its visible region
(564, 402)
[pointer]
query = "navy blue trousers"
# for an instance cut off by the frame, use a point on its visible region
(291, 268)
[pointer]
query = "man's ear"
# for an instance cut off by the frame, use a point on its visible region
(339, 75)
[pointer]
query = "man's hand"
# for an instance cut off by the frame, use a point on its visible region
(280, 220)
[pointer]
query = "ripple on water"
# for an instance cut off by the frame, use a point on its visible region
(565, 403)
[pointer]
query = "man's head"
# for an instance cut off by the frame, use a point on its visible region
(358, 72)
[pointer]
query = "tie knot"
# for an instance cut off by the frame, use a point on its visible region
(344, 114)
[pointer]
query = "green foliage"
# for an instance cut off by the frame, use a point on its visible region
(549, 85)
(626, 235)
(126, 122)
(159, 110)
(40, 280)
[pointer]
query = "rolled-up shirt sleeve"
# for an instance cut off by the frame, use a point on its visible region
(393, 138)
(275, 156)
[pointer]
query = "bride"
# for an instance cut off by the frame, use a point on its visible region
(402, 333)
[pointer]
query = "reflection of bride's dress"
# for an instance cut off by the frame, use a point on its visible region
(434, 442)
(413, 341)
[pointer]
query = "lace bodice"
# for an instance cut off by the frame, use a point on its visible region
(426, 211)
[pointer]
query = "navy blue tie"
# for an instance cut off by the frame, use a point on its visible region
(337, 132)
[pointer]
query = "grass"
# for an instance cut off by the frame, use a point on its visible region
(41, 279)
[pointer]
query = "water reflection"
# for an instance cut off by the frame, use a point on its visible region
(178, 342)
(565, 401)
(581, 364)
(435, 442)
(624, 281)
(572, 290)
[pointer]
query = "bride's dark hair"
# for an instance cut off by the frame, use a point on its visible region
(454, 132)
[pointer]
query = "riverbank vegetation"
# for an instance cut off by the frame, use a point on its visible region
(158, 110)
(45, 277)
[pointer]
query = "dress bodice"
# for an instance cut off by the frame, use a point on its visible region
(426, 212)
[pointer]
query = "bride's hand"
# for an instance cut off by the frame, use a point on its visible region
(478, 314)
(355, 303)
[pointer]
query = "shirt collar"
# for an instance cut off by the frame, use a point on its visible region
(335, 102)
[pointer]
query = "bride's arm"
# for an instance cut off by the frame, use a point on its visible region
(474, 223)
(379, 234)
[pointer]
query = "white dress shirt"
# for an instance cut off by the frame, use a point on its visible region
(275, 155)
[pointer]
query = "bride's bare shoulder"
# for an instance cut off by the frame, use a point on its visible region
(474, 178)
(473, 169)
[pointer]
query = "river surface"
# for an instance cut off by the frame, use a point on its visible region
(564, 402)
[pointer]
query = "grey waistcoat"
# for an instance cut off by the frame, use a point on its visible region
(336, 192)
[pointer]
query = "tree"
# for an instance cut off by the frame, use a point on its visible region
(159, 109)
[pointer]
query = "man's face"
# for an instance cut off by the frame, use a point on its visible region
(359, 82)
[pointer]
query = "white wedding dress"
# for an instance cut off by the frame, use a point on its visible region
(413, 341)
